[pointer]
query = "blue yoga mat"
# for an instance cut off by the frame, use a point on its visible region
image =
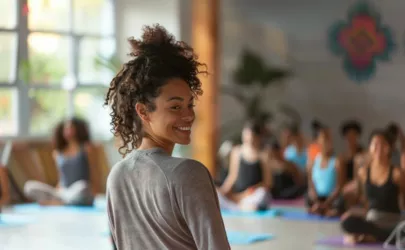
(303, 215)
(258, 214)
(244, 238)
(234, 237)
(34, 207)
(13, 220)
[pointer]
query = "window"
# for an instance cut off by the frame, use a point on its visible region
(88, 104)
(53, 74)
(8, 111)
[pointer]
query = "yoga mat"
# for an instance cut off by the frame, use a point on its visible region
(244, 238)
(234, 237)
(13, 220)
(258, 214)
(337, 241)
(305, 216)
(34, 208)
(294, 202)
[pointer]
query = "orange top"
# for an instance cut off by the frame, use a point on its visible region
(313, 151)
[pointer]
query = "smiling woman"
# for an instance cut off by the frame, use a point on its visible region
(166, 202)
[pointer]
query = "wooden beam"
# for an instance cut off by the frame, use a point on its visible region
(205, 42)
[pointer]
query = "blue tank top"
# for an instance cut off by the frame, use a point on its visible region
(298, 158)
(73, 168)
(324, 179)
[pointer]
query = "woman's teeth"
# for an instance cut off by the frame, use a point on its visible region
(184, 128)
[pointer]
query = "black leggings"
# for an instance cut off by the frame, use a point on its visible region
(358, 225)
(338, 203)
(284, 187)
(289, 193)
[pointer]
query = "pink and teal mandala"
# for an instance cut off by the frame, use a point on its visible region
(362, 41)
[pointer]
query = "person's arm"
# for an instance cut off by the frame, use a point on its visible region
(399, 179)
(55, 158)
(267, 182)
(311, 187)
(4, 186)
(296, 173)
(198, 204)
(95, 181)
(403, 160)
(233, 171)
(339, 183)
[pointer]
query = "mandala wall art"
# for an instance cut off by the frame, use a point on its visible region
(361, 41)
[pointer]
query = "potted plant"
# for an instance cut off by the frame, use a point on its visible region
(251, 78)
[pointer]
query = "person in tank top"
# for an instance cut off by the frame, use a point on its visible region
(76, 164)
(325, 180)
(351, 131)
(289, 181)
(248, 183)
(382, 186)
(296, 152)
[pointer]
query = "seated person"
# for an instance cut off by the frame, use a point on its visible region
(76, 163)
(285, 138)
(383, 186)
(325, 180)
(313, 148)
(351, 131)
(288, 179)
(398, 141)
(249, 180)
(296, 152)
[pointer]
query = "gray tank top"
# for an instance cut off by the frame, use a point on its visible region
(73, 168)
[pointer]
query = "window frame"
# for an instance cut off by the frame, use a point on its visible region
(22, 31)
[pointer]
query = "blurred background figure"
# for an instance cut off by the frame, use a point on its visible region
(76, 163)
(248, 182)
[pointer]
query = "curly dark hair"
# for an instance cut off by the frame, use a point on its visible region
(157, 58)
(350, 125)
(82, 133)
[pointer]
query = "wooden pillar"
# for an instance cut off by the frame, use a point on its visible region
(205, 42)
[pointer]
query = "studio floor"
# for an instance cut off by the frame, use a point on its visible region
(86, 230)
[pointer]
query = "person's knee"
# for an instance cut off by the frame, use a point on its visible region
(81, 185)
(350, 223)
(29, 188)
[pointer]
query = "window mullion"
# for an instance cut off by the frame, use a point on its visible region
(23, 106)
(72, 69)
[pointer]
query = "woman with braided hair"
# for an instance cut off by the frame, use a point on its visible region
(154, 200)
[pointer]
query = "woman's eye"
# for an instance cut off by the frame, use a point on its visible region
(176, 107)
(192, 105)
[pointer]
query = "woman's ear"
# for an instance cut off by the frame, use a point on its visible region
(142, 112)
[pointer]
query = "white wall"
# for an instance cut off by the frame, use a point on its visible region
(132, 15)
(321, 88)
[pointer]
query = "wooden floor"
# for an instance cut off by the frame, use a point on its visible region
(84, 230)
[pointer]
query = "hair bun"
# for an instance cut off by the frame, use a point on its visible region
(315, 124)
(155, 38)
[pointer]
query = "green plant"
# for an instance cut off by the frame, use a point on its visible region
(251, 77)
(111, 63)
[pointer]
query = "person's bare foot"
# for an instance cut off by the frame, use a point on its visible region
(50, 203)
(331, 213)
(349, 240)
(246, 207)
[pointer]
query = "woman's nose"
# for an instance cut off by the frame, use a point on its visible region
(188, 118)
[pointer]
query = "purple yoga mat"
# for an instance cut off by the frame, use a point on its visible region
(294, 202)
(337, 241)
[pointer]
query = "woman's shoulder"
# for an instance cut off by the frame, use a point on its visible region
(185, 165)
(397, 174)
